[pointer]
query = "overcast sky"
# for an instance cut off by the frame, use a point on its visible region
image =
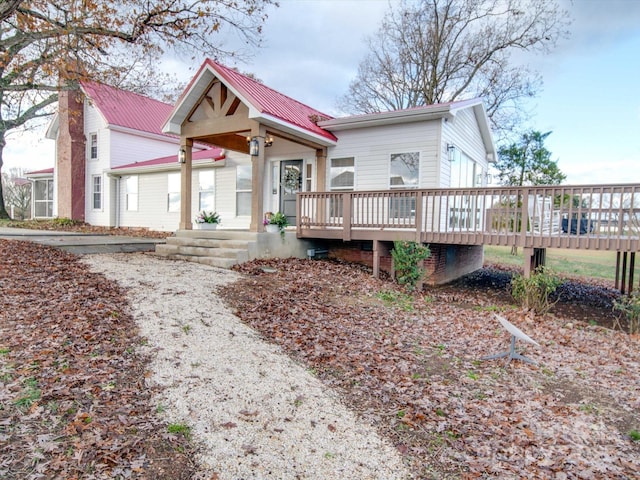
(590, 99)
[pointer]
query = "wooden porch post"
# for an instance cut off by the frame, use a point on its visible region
(185, 185)
(380, 249)
(321, 169)
(257, 180)
(321, 184)
(533, 258)
(527, 254)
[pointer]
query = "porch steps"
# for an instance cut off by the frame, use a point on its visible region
(219, 248)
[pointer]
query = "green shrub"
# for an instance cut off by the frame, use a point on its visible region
(629, 305)
(406, 260)
(63, 222)
(533, 293)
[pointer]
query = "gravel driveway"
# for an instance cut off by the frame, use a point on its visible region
(255, 413)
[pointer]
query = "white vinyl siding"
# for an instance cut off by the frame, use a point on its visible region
(173, 192)
(372, 148)
(463, 133)
(97, 148)
(127, 148)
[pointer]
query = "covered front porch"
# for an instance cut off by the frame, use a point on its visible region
(286, 148)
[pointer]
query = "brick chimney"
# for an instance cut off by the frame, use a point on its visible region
(70, 161)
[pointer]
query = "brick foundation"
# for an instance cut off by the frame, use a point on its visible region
(446, 263)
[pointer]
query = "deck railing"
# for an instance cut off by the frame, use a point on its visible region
(588, 216)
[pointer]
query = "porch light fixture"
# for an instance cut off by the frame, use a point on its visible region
(451, 152)
(182, 155)
(254, 145)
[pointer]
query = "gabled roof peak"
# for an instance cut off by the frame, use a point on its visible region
(265, 104)
(127, 109)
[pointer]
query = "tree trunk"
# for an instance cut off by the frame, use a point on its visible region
(3, 210)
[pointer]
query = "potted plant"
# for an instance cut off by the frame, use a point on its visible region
(275, 222)
(207, 220)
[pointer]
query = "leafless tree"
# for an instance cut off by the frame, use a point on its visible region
(434, 51)
(17, 192)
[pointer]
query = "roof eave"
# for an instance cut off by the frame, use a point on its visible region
(36, 176)
(141, 133)
(164, 167)
(485, 130)
(287, 127)
(386, 118)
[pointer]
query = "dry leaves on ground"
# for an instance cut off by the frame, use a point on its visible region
(66, 225)
(73, 401)
(412, 367)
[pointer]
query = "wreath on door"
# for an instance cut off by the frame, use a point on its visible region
(292, 179)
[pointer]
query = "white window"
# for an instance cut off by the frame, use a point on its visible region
(308, 178)
(463, 172)
(96, 192)
(464, 210)
(206, 190)
(93, 146)
(342, 173)
(404, 171)
(173, 192)
(43, 198)
(131, 193)
(243, 190)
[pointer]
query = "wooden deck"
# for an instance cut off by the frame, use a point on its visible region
(598, 217)
(584, 217)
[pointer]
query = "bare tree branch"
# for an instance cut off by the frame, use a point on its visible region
(435, 51)
(46, 46)
(7, 7)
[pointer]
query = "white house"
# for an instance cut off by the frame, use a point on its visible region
(115, 167)
(246, 150)
(298, 149)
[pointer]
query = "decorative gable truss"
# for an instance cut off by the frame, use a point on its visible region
(219, 118)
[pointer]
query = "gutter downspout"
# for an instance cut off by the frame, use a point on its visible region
(117, 206)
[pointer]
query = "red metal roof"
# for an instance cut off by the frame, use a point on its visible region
(128, 109)
(211, 153)
(40, 172)
(273, 103)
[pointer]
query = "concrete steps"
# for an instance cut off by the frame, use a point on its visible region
(218, 248)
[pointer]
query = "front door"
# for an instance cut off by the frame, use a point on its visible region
(290, 184)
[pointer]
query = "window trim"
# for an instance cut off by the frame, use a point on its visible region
(346, 188)
(211, 191)
(47, 201)
(98, 192)
(178, 192)
(404, 187)
(128, 196)
(250, 190)
(93, 149)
